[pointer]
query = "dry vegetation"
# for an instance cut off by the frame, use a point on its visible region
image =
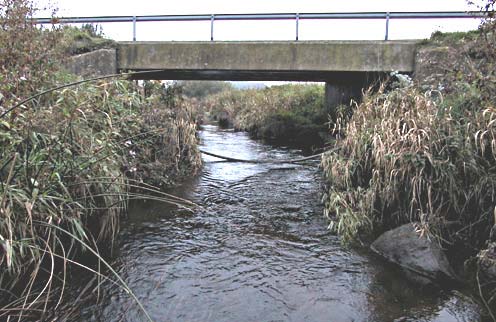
(423, 153)
(426, 153)
(71, 160)
(289, 114)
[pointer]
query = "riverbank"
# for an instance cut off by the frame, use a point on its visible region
(290, 114)
(72, 159)
(423, 152)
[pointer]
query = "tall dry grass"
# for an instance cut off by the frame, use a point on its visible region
(76, 164)
(71, 160)
(408, 155)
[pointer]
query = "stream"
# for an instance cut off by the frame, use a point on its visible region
(258, 249)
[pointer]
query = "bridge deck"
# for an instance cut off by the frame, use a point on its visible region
(281, 60)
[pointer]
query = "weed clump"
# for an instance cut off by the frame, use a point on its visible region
(88, 38)
(407, 157)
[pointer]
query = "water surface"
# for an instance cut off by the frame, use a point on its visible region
(258, 249)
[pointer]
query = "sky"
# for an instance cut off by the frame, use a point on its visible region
(267, 30)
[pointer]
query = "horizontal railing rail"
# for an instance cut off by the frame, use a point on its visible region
(267, 16)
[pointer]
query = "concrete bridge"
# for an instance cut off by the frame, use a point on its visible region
(345, 66)
(267, 61)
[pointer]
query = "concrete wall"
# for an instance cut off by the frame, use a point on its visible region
(345, 61)
(96, 63)
(341, 94)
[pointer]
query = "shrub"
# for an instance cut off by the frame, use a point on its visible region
(202, 89)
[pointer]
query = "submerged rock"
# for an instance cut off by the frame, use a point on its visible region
(291, 208)
(414, 253)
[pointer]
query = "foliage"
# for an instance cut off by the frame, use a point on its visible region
(27, 54)
(82, 40)
(288, 113)
(170, 148)
(202, 89)
(485, 6)
(451, 38)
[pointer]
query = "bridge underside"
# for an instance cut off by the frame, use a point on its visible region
(261, 75)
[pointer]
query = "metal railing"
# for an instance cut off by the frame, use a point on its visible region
(268, 16)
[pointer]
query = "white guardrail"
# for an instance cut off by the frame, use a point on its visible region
(386, 16)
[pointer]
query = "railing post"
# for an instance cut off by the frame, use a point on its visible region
(386, 37)
(297, 25)
(134, 28)
(212, 18)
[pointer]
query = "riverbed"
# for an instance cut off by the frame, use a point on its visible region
(257, 249)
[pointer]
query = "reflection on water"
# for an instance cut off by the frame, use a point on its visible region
(257, 250)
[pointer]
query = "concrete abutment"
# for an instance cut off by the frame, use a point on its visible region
(340, 94)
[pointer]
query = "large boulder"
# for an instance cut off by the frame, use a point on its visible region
(414, 253)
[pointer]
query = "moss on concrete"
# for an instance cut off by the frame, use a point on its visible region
(83, 40)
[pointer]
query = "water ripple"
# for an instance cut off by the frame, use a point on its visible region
(257, 250)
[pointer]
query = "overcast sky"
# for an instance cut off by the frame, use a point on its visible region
(267, 30)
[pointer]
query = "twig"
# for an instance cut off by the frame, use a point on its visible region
(315, 156)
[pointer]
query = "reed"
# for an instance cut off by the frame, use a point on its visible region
(71, 160)
(410, 155)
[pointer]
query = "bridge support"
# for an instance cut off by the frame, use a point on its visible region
(96, 63)
(340, 94)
